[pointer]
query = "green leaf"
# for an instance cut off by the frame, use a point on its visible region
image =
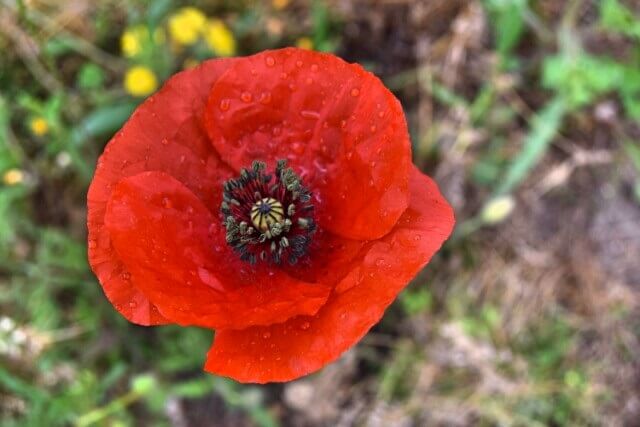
(508, 23)
(617, 18)
(90, 76)
(544, 128)
(580, 79)
(104, 120)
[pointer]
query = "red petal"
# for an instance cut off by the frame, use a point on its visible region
(176, 253)
(340, 128)
(164, 134)
(307, 343)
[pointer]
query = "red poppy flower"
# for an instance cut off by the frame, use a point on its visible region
(271, 198)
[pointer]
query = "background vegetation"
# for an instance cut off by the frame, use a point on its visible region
(526, 112)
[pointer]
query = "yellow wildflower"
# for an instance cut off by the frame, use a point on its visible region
(132, 39)
(279, 4)
(219, 38)
(13, 177)
(187, 25)
(140, 81)
(304, 43)
(39, 126)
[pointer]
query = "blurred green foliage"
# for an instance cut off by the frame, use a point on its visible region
(69, 359)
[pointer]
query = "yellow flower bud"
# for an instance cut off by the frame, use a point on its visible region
(219, 38)
(131, 41)
(304, 43)
(497, 210)
(140, 81)
(186, 26)
(13, 177)
(39, 126)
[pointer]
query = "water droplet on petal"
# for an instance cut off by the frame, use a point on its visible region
(125, 276)
(355, 92)
(266, 335)
(305, 325)
(299, 64)
(270, 61)
(224, 104)
(314, 67)
(132, 304)
(308, 114)
(373, 128)
(297, 148)
(381, 114)
(246, 97)
(164, 141)
(166, 202)
(92, 244)
(265, 97)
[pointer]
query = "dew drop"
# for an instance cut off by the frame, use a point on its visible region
(308, 114)
(305, 325)
(381, 114)
(343, 124)
(261, 358)
(314, 67)
(132, 304)
(284, 76)
(309, 80)
(182, 158)
(246, 97)
(277, 130)
(292, 87)
(297, 148)
(270, 61)
(125, 276)
(373, 128)
(92, 244)
(355, 92)
(164, 141)
(224, 104)
(166, 202)
(254, 72)
(266, 335)
(265, 98)
(417, 237)
(298, 63)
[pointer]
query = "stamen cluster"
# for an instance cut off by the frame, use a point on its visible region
(268, 216)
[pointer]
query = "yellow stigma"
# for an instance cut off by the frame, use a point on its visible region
(266, 212)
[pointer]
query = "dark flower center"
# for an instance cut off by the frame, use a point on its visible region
(268, 216)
